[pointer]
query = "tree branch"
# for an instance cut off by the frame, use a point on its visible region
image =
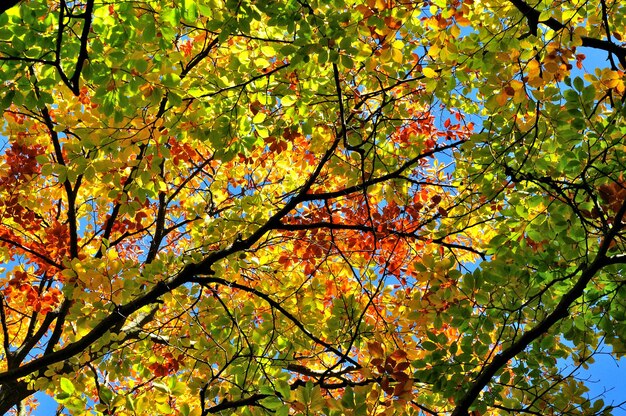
(227, 404)
(276, 305)
(391, 175)
(560, 311)
(532, 15)
(82, 54)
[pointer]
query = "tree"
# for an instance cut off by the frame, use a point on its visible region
(310, 207)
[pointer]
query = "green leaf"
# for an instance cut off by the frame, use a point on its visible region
(106, 395)
(579, 84)
(428, 346)
(66, 386)
(348, 398)
(61, 397)
(7, 99)
(272, 403)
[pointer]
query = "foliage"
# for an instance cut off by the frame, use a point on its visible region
(291, 207)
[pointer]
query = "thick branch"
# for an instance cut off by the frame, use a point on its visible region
(82, 55)
(199, 57)
(248, 401)
(72, 220)
(391, 175)
(12, 394)
(532, 15)
(5, 332)
(159, 228)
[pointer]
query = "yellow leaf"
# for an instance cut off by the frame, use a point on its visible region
(396, 56)
(516, 85)
(258, 118)
(455, 31)
(429, 72)
(433, 52)
(268, 51)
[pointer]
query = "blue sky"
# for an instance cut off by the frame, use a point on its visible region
(607, 377)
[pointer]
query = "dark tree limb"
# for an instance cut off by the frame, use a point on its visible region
(227, 404)
(12, 394)
(532, 16)
(82, 54)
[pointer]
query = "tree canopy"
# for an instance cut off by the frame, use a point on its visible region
(311, 207)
